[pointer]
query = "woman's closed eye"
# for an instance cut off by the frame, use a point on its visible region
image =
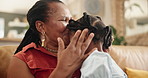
(65, 19)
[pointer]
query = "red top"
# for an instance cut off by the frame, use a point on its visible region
(40, 61)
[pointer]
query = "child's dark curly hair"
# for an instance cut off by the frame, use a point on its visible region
(95, 25)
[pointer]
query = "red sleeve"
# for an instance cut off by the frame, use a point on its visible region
(21, 56)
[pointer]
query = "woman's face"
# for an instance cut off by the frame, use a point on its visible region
(56, 25)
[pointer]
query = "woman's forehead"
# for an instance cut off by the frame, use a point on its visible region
(59, 9)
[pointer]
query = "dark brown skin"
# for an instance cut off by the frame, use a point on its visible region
(74, 53)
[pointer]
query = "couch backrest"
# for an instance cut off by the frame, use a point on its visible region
(6, 53)
(135, 57)
(125, 56)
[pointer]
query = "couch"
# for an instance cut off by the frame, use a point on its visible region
(6, 53)
(135, 57)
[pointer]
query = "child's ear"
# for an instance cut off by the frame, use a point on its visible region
(40, 26)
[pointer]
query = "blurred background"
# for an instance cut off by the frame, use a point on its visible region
(128, 18)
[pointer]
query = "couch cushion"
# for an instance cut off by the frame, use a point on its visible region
(5, 55)
(132, 73)
(135, 57)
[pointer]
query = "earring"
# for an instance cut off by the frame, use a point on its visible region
(43, 39)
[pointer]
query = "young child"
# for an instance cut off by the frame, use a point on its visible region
(99, 64)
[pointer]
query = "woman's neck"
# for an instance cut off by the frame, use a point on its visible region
(51, 45)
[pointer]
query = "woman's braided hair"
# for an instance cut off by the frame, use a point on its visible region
(95, 25)
(39, 11)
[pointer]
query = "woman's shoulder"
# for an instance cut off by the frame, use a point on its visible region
(24, 55)
(31, 52)
(28, 51)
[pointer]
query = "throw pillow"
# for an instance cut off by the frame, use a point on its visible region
(134, 73)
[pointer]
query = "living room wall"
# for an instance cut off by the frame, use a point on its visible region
(77, 7)
(10, 18)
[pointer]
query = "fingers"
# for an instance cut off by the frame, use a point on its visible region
(61, 45)
(78, 41)
(81, 38)
(87, 42)
(75, 38)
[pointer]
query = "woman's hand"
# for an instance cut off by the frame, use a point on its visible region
(71, 58)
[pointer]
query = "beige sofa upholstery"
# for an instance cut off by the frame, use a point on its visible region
(6, 53)
(135, 57)
(125, 56)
